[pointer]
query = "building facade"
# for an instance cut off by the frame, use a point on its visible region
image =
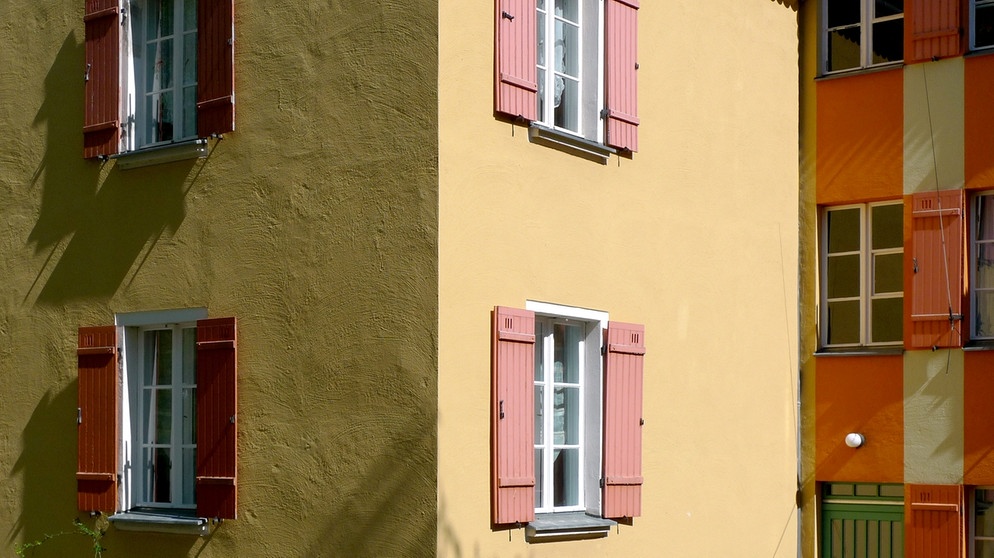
(400, 278)
(895, 212)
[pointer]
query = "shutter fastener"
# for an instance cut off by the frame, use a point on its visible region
(86, 75)
(79, 415)
(507, 16)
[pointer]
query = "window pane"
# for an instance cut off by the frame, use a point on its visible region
(538, 477)
(160, 19)
(888, 273)
(888, 226)
(189, 416)
(866, 489)
(189, 15)
(541, 96)
(158, 357)
(839, 489)
(843, 49)
(162, 416)
(887, 316)
(189, 59)
(843, 12)
(567, 112)
(189, 356)
(983, 26)
(158, 485)
(984, 320)
(541, 39)
(568, 9)
(892, 490)
(843, 322)
(843, 230)
(884, 8)
(159, 72)
(888, 41)
(539, 415)
(566, 475)
(160, 122)
(567, 353)
(567, 418)
(189, 472)
(843, 276)
(567, 51)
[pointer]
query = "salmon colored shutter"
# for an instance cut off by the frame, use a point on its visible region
(935, 521)
(933, 29)
(217, 350)
(623, 420)
(512, 417)
(96, 465)
(937, 269)
(621, 65)
(516, 82)
(215, 67)
(102, 75)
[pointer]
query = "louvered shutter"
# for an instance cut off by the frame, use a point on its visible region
(623, 420)
(216, 477)
(96, 464)
(512, 416)
(621, 75)
(934, 522)
(102, 74)
(215, 67)
(516, 82)
(937, 269)
(934, 29)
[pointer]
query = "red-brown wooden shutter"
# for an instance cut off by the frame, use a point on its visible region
(102, 87)
(933, 29)
(215, 67)
(96, 464)
(623, 420)
(621, 75)
(512, 416)
(217, 465)
(937, 264)
(934, 521)
(516, 82)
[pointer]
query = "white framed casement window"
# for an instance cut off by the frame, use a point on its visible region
(568, 371)
(982, 522)
(982, 267)
(981, 24)
(862, 280)
(861, 33)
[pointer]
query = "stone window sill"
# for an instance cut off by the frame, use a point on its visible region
(161, 154)
(568, 143)
(161, 521)
(549, 527)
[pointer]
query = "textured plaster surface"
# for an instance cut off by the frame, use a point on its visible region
(934, 126)
(695, 237)
(933, 417)
(314, 223)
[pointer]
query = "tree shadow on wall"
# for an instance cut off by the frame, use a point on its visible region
(94, 220)
(792, 4)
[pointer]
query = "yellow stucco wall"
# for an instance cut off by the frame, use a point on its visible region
(695, 236)
(314, 224)
(934, 126)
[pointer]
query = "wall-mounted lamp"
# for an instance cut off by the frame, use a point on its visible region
(855, 439)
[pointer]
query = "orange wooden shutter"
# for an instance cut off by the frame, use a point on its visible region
(512, 416)
(96, 464)
(215, 67)
(933, 29)
(621, 75)
(516, 82)
(937, 269)
(217, 463)
(934, 521)
(623, 420)
(102, 87)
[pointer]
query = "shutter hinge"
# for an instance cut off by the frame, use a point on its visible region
(603, 350)
(602, 482)
(506, 16)
(86, 75)
(79, 415)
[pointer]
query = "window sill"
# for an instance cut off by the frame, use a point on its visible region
(568, 143)
(549, 527)
(860, 351)
(162, 154)
(161, 522)
(860, 71)
(979, 345)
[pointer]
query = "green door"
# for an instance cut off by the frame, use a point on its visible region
(860, 522)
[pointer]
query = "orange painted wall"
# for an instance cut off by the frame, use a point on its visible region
(978, 417)
(860, 150)
(862, 394)
(979, 125)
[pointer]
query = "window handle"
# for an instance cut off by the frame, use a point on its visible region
(914, 264)
(79, 415)
(506, 16)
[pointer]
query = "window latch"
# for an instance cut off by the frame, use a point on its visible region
(507, 16)
(79, 415)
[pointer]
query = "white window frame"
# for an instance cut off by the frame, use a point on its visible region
(590, 124)
(975, 245)
(132, 327)
(133, 79)
(866, 255)
(973, 23)
(866, 21)
(591, 398)
(973, 538)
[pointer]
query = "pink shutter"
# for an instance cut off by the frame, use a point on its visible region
(215, 67)
(933, 28)
(217, 461)
(934, 521)
(102, 87)
(512, 417)
(516, 82)
(623, 420)
(621, 75)
(937, 264)
(96, 465)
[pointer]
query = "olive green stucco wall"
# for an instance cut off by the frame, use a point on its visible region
(314, 223)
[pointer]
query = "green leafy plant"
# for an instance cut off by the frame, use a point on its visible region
(94, 534)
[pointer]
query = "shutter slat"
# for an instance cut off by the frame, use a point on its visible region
(937, 250)
(96, 464)
(215, 67)
(621, 75)
(217, 460)
(102, 88)
(512, 416)
(934, 29)
(516, 83)
(623, 420)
